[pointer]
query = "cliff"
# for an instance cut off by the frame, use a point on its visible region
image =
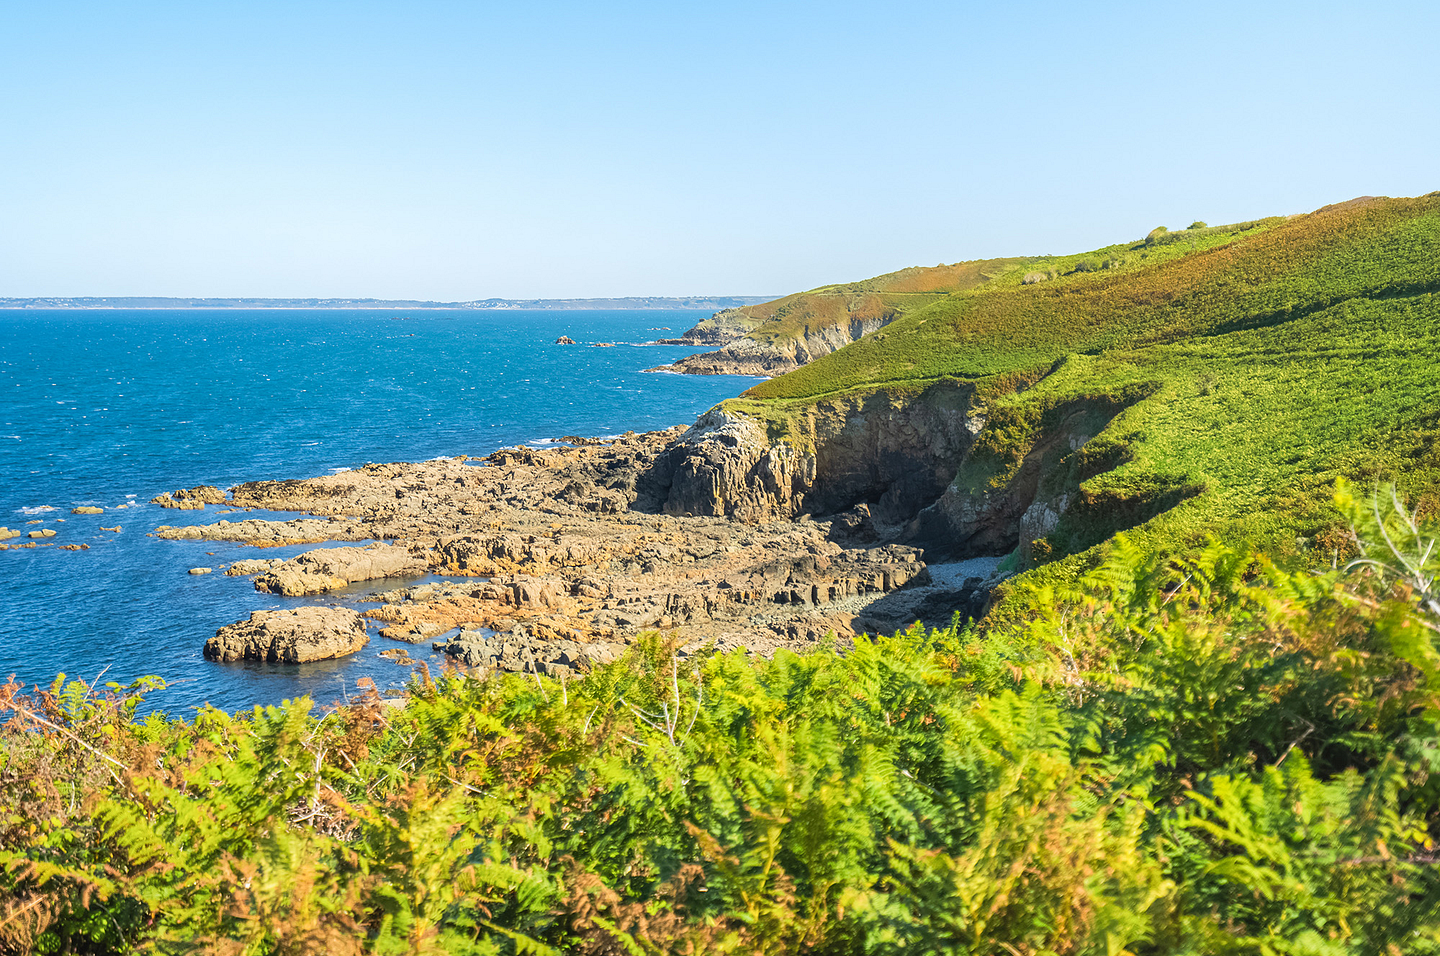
(1217, 381)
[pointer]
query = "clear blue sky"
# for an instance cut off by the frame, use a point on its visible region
(466, 150)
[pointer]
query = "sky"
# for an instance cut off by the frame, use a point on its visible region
(456, 151)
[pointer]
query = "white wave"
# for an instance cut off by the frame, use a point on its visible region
(39, 510)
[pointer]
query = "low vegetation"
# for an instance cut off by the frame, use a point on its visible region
(1208, 754)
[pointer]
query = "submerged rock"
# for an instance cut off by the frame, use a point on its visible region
(290, 637)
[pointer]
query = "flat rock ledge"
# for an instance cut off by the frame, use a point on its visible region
(326, 569)
(294, 636)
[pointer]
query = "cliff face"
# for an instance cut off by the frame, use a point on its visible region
(893, 453)
(933, 468)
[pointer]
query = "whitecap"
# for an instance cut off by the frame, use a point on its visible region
(41, 509)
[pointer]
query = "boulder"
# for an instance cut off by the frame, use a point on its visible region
(564, 340)
(43, 533)
(290, 637)
(9, 533)
(87, 510)
(315, 572)
(201, 570)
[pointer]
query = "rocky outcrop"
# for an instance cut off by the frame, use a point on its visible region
(723, 327)
(768, 358)
(724, 465)
(289, 637)
(87, 510)
(191, 499)
(564, 340)
(316, 572)
(253, 566)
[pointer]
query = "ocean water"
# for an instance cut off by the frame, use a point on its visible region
(110, 408)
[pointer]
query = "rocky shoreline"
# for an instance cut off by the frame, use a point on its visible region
(560, 556)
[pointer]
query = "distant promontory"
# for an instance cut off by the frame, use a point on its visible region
(699, 303)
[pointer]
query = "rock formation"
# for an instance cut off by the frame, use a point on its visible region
(701, 533)
(768, 358)
(316, 572)
(190, 499)
(289, 637)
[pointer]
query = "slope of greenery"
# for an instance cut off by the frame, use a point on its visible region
(908, 290)
(883, 297)
(1202, 756)
(1256, 364)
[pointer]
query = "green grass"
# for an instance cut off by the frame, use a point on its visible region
(1252, 364)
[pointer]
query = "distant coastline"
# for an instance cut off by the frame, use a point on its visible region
(636, 303)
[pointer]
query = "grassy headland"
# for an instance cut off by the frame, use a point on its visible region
(1239, 371)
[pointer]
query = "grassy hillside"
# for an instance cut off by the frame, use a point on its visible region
(884, 296)
(1253, 365)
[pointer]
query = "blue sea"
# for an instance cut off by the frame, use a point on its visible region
(106, 408)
